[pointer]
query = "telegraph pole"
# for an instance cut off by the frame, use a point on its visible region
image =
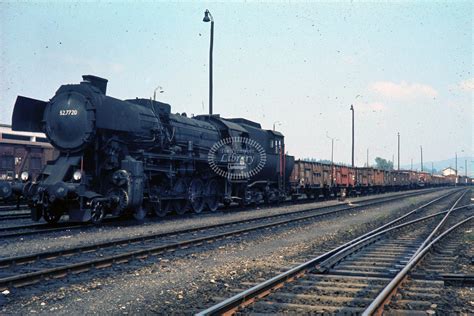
(456, 169)
(367, 157)
(421, 151)
(276, 123)
(332, 151)
(456, 154)
(332, 156)
(432, 168)
(398, 134)
(352, 109)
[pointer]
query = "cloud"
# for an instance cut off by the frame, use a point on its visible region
(467, 85)
(348, 60)
(403, 90)
(370, 107)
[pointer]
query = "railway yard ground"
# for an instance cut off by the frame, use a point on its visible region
(205, 261)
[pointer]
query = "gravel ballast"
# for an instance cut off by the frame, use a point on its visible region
(187, 280)
(89, 235)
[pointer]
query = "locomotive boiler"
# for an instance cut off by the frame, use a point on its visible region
(130, 157)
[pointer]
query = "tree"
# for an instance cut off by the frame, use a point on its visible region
(325, 161)
(383, 164)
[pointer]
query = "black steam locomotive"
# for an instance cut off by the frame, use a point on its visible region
(132, 157)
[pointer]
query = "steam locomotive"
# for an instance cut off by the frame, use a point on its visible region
(130, 157)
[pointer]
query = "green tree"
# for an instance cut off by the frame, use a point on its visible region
(325, 161)
(383, 164)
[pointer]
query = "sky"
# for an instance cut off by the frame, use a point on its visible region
(406, 67)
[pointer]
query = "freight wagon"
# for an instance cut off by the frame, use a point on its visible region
(316, 179)
(23, 153)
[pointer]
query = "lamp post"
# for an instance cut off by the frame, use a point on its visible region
(276, 123)
(352, 109)
(398, 134)
(160, 88)
(332, 155)
(456, 168)
(208, 18)
(367, 157)
(421, 153)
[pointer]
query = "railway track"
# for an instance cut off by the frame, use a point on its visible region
(430, 285)
(30, 269)
(357, 277)
(19, 231)
(9, 212)
(15, 215)
(11, 207)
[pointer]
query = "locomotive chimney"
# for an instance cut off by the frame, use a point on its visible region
(98, 82)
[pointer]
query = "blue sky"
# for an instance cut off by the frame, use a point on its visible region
(406, 66)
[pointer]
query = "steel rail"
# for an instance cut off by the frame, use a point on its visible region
(403, 194)
(246, 297)
(372, 238)
(39, 229)
(377, 305)
(12, 207)
(49, 229)
(51, 254)
(33, 277)
(5, 217)
(459, 279)
(440, 224)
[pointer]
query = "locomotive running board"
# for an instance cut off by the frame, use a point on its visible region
(28, 114)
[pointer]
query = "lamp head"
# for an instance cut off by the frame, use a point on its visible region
(206, 18)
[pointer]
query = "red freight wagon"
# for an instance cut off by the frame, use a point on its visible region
(451, 179)
(361, 177)
(463, 180)
(379, 177)
(438, 180)
(388, 178)
(400, 178)
(19, 153)
(352, 176)
(344, 176)
(315, 179)
(311, 174)
(413, 178)
(365, 177)
(424, 178)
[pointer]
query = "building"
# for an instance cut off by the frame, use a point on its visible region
(449, 171)
(23, 151)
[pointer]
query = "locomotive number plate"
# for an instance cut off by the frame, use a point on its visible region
(67, 112)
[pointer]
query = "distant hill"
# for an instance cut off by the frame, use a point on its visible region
(441, 164)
